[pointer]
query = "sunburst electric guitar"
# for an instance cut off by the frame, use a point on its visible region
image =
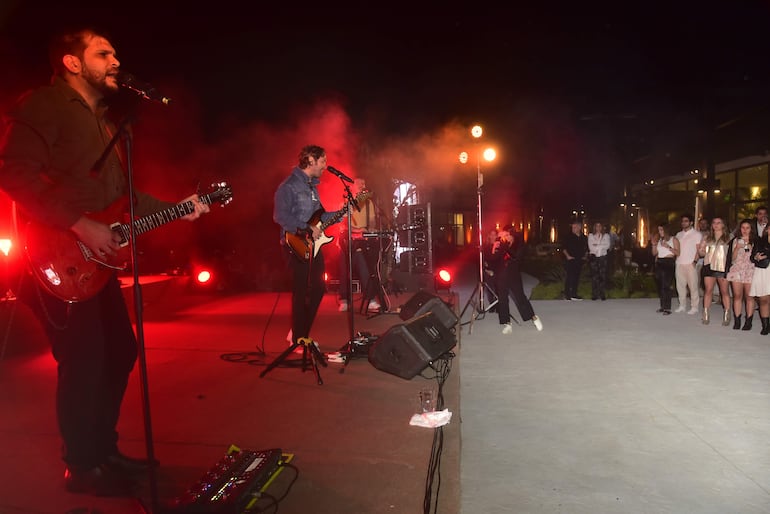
(301, 243)
(65, 267)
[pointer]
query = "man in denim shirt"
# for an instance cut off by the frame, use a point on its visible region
(299, 213)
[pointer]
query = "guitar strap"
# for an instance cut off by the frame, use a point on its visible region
(99, 164)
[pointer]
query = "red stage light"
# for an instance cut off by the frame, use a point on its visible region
(5, 246)
(442, 280)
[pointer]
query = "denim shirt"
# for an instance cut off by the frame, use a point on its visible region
(296, 201)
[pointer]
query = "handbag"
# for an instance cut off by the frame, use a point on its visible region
(762, 263)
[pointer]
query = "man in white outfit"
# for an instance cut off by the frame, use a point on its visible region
(686, 274)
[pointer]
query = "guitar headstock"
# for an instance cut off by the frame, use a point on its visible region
(222, 193)
(363, 195)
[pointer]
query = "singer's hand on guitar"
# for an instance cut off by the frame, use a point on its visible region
(98, 237)
(200, 208)
(316, 232)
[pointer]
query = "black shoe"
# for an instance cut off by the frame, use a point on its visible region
(127, 465)
(666, 312)
(747, 324)
(98, 481)
(659, 310)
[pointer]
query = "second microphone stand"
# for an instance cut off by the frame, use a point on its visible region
(355, 347)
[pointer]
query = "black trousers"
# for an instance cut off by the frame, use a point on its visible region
(307, 291)
(95, 348)
(598, 266)
(365, 258)
(508, 280)
(573, 268)
(664, 275)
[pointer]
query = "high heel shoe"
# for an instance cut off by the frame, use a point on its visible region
(737, 322)
(726, 318)
(705, 319)
(765, 325)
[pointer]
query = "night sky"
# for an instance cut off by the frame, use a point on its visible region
(578, 97)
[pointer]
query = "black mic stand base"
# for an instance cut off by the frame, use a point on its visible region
(311, 357)
(356, 348)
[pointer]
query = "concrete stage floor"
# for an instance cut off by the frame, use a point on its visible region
(611, 409)
(353, 448)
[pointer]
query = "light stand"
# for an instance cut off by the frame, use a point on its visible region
(476, 298)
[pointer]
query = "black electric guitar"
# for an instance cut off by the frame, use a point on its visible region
(301, 243)
(65, 267)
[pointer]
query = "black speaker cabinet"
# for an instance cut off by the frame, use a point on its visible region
(423, 302)
(406, 349)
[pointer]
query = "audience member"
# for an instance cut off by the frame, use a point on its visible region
(685, 273)
(714, 250)
(760, 282)
(665, 249)
(599, 244)
(703, 227)
(574, 248)
(759, 222)
(741, 272)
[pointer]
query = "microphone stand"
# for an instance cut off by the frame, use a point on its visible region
(348, 350)
(138, 310)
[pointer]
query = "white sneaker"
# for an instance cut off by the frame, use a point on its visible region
(694, 310)
(343, 306)
(507, 329)
(538, 323)
(374, 305)
(680, 309)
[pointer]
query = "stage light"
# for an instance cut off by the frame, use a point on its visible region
(443, 279)
(5, 246)
(204, 276)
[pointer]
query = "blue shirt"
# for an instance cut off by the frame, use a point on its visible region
(296, 201)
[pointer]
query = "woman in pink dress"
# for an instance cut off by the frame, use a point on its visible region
(741, 272)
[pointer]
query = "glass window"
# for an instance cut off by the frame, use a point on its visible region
(752, 184)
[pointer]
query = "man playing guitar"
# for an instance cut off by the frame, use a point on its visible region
(297, 205)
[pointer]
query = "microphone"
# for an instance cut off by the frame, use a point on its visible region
(143, 89)
(335, 171)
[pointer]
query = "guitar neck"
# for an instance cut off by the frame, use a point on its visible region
(334, 219)
(339, 214)
(157, 219)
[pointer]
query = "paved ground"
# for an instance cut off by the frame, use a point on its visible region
(614, 408)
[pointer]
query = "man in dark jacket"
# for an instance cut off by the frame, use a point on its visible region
(575, 248)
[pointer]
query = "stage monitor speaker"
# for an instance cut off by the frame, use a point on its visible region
(423, 302)
(408, 348)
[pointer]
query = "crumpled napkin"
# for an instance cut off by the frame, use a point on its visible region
(431, 419)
